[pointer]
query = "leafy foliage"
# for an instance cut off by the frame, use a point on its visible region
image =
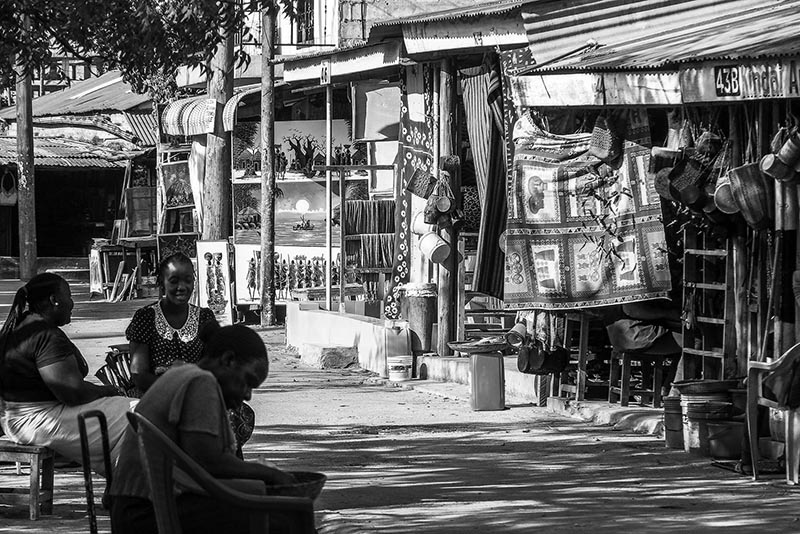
(148, 40)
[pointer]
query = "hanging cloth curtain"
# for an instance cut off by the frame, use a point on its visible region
(490, 259)
(475, 90)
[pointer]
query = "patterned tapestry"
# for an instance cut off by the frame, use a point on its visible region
(582, 233)
(416, 127)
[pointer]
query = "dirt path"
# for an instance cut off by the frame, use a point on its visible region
(403, 461)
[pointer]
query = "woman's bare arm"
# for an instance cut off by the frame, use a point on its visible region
(204, 448)
(141, 374)
(64, 379)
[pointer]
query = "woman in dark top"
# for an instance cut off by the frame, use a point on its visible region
(42, 377)
(166, 333)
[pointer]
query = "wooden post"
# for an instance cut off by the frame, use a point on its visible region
(216, 201)
(448, 270)
(342, 238)
(328, 201)
(268, 15)
(26, 191)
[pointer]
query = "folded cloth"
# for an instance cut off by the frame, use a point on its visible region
(631, 335)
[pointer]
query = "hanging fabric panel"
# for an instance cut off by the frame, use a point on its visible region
(581, 232)
(416, 127)
(475, 90)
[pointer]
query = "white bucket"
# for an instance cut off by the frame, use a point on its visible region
(419, 226)
(434, 247)
(399, 367)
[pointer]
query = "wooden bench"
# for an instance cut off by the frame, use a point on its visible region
(39, 493)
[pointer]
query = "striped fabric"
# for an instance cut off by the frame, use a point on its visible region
(475, 89)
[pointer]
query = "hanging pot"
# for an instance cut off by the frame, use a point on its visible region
(772, 166)
(419, 226)
(8, 190)
(790, 151)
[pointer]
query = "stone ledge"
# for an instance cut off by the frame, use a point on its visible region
(325, 357)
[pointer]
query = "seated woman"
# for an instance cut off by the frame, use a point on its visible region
(189, 405)
(166, 333)
(42, 377)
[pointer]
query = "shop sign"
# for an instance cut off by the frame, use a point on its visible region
(746, 80)
(581, 89)
(642, 88)
(325, 72)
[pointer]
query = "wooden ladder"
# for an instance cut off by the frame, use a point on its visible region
(708, 306)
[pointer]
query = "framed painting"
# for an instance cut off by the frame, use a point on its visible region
(169, 244)
(213, 285)
(247, 269)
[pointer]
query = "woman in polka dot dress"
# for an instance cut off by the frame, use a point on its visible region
(166, 333)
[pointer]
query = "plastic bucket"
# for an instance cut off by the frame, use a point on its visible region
(725, 439)
(434, 247)
(696, 417)
(399, 368)
(673, 423)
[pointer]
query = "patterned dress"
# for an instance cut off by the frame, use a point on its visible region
(167, 344)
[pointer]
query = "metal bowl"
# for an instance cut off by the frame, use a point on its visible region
(478, 347)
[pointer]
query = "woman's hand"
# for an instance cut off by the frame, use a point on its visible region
(281, 478)
(111, 391)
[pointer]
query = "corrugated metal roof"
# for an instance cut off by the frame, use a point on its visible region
(555, 28)
(755, 33)
(59, 152)
(480, 9)
(322, 53)
(145, 127)
(95, 95)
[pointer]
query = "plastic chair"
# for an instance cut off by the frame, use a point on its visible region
(757, 373)
(159, 453)
(86, 456)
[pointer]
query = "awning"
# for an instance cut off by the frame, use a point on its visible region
(189, 116)
(229, 113)
(144, 126)
(557, 28)
(478, 27)
(61, 152)
(343, 64)
(749, 55)
(759, 32)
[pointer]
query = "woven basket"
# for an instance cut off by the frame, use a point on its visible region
(421, 184)
(309, 484)
(689, 171)
(723, 195)
(754, 194)
(607, 141)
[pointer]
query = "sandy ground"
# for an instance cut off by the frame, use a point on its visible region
(400, 460)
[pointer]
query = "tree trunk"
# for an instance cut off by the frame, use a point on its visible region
(268, 166)
(25, 177)
(216, 202)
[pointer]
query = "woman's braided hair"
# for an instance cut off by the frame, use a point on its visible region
(33, 295)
